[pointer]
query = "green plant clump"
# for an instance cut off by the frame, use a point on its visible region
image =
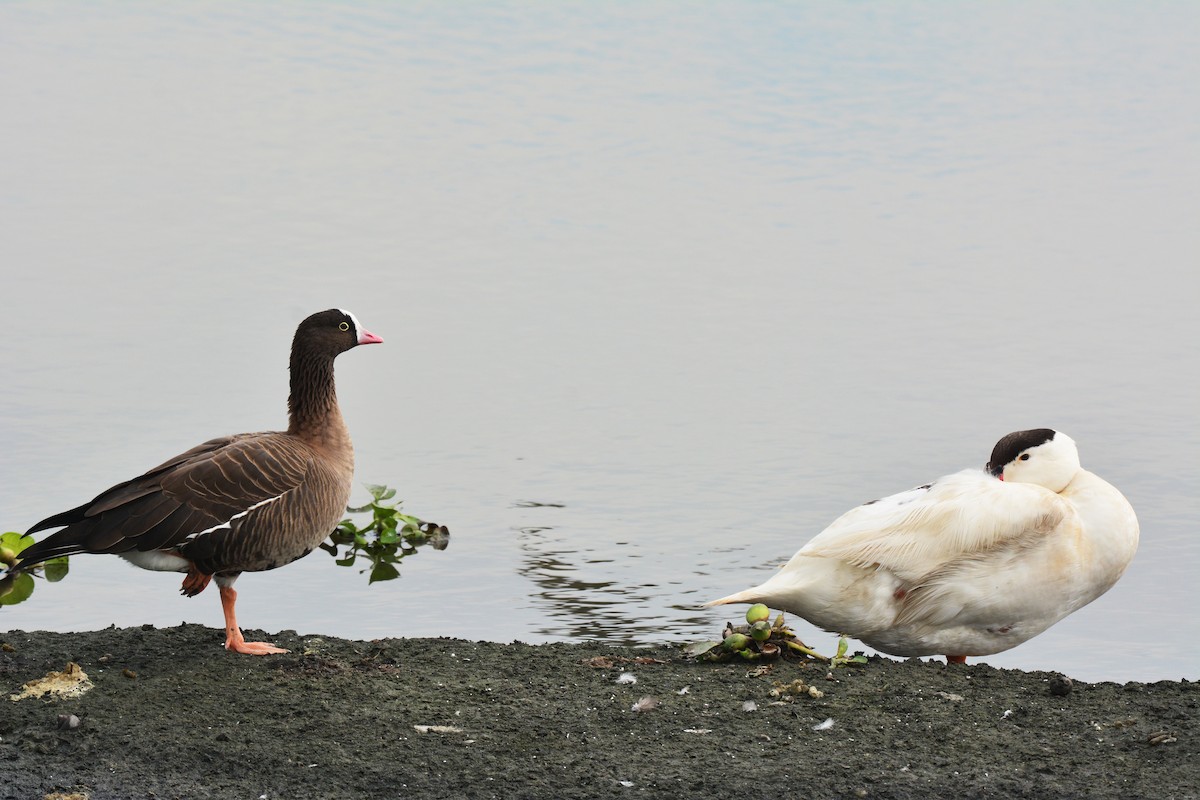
(760, 639)
(17, 588)
(386, 538)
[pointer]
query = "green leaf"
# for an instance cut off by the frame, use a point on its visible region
(56, 569)
(699, 648)
(383, 572)
(376, 489)
(15, 541)
(348, 561)
(15, 589)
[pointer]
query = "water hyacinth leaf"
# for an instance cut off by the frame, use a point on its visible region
(56, 569)
(15, 589)
(384, 539)
(383, 571)
(699, 648)
(16, 542)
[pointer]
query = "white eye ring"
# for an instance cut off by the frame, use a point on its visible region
(344, 326)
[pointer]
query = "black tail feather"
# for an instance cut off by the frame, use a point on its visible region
(63, 518)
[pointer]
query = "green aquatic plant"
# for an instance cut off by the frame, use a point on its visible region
(760, 639)
(18, 588)
(385, 539)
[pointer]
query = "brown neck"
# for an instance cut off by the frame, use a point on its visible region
(313, 413)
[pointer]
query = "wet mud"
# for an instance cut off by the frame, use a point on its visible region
(170, 714)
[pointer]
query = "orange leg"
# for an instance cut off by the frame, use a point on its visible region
(956, 659)
(233, 634)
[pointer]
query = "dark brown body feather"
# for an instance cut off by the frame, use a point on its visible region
(243, 503)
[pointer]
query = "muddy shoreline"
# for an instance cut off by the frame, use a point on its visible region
(172, 715)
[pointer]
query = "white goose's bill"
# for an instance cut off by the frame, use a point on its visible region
(363, 335)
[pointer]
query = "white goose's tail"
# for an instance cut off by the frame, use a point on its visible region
(746, 596)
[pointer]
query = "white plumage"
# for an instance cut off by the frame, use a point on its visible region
(972, 564)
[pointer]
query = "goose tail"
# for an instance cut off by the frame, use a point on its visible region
(745, 596)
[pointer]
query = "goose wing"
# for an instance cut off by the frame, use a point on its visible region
(199, 490)
(919, 533)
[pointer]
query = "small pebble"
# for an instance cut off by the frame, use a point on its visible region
(128, 673)
(67, 722)
(749, 705)
(1061, 686)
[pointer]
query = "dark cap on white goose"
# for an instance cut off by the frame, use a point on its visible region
(241, 503)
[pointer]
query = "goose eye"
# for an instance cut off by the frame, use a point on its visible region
(1024, 457)
(346, 326)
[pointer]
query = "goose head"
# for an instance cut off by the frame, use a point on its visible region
(332, 332)
(1041, 456)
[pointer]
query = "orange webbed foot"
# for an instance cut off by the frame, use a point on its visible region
(956, 659)
(237, 644)
(233, 634)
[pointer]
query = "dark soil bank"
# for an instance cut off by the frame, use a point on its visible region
(172, 715)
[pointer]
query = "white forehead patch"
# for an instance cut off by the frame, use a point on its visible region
(358, 328)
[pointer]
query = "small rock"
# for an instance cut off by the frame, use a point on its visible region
(1061, 686)
(67, 722)
(1162, 737)
(128, 673)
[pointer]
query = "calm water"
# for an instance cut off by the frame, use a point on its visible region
(706, 277)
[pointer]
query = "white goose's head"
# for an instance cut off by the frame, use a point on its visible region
(1042, 456)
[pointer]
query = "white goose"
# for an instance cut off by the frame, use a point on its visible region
(972, 564)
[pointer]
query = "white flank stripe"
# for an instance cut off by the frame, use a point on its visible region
(234, 518)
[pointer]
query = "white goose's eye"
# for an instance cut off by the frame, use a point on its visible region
(346, 326)
(1023, 456)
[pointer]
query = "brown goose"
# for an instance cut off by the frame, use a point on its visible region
(242, 503)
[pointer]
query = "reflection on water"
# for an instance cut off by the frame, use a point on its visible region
(703, 280)
(605, 610)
